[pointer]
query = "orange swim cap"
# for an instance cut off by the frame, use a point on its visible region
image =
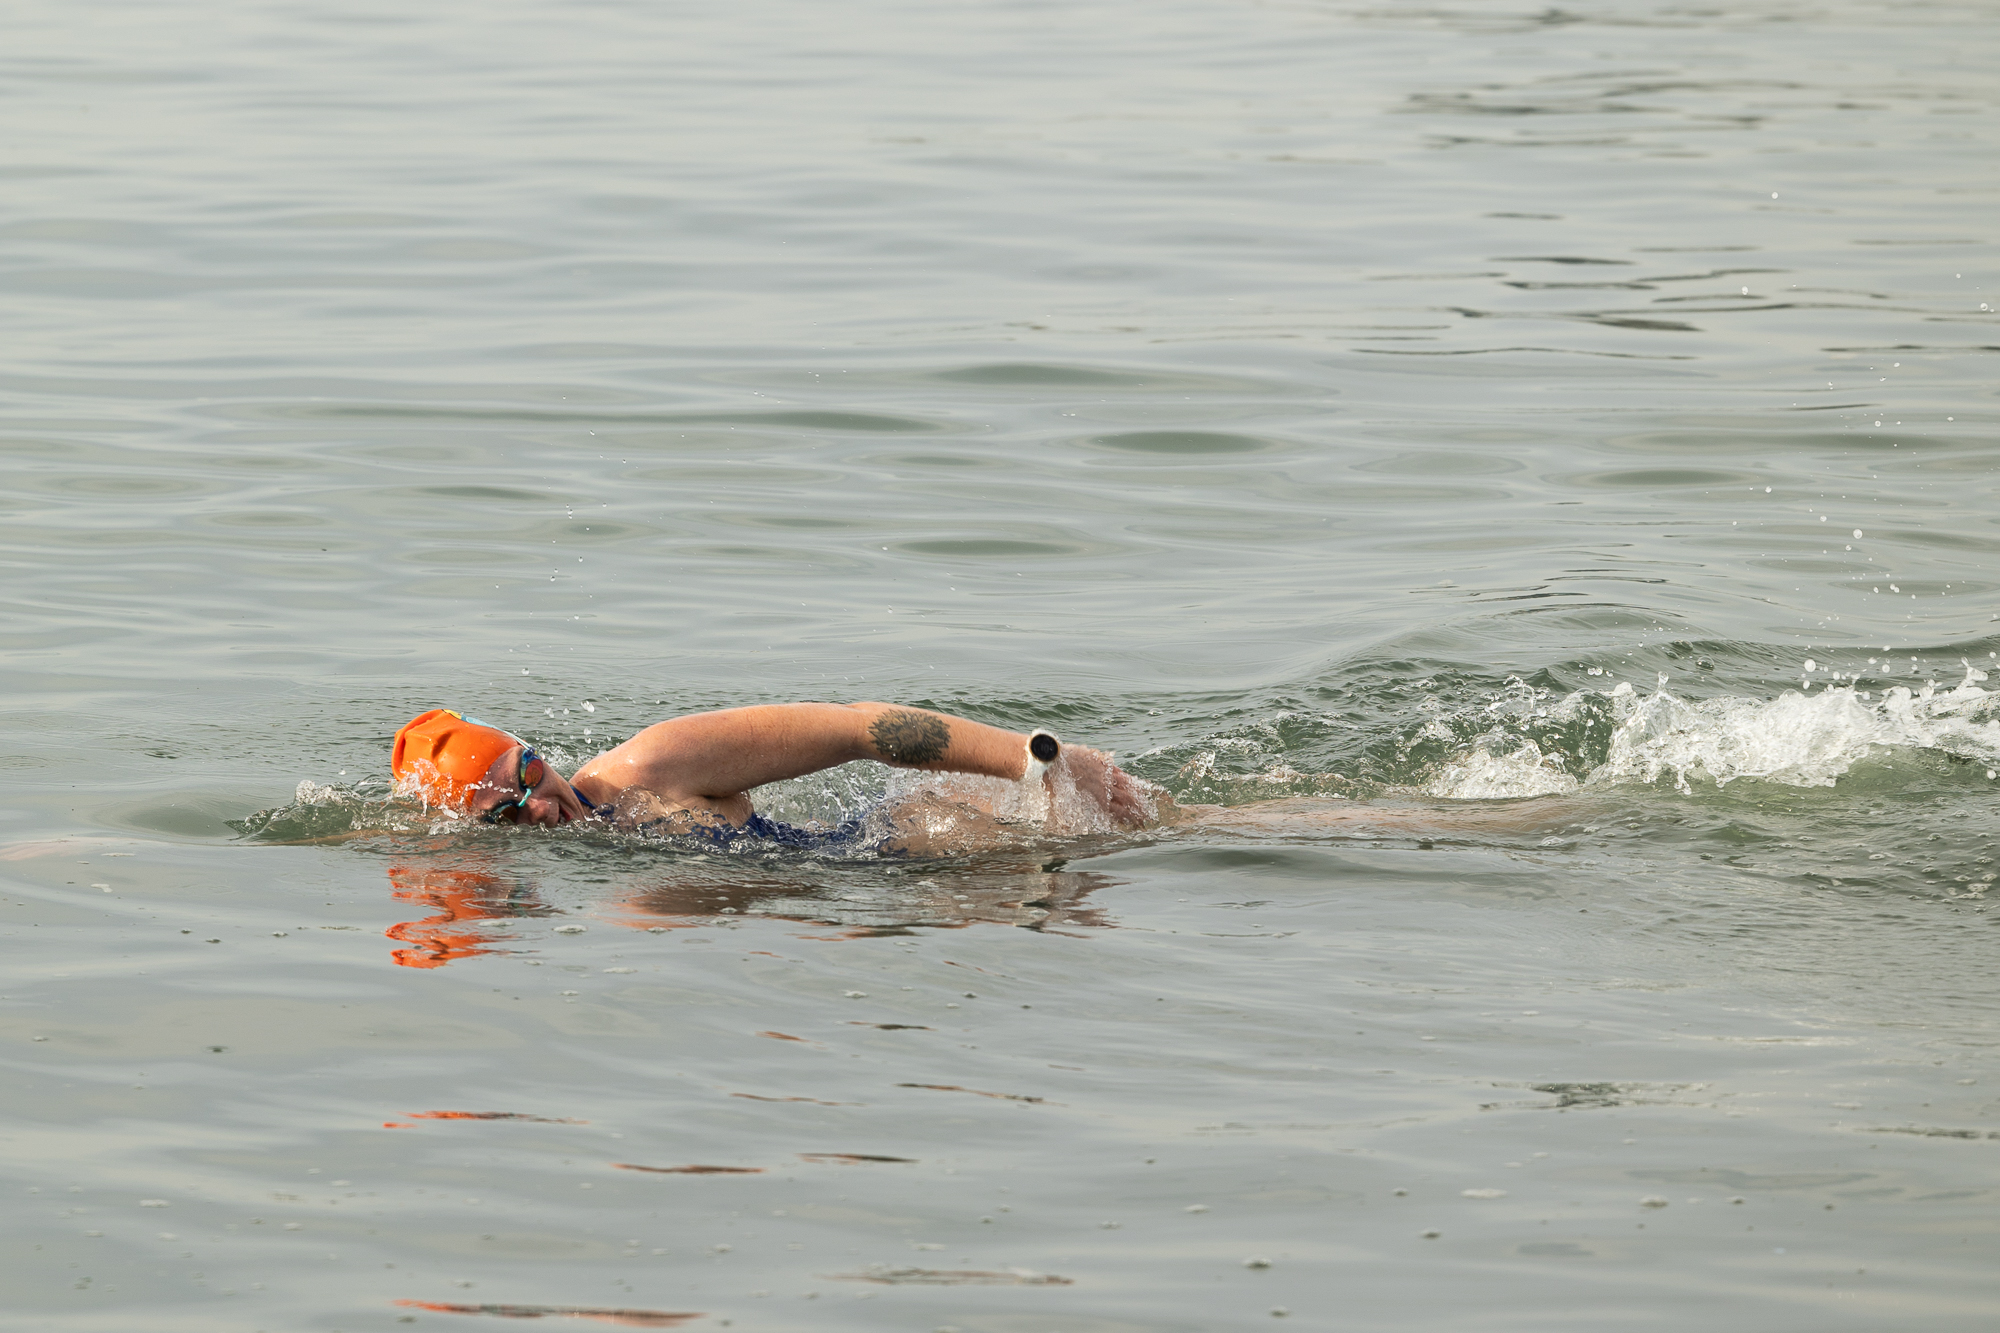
(442, 754)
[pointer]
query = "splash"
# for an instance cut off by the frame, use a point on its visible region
(1485, 776)
(1796, 739)
(325, 811)
(1069, 805)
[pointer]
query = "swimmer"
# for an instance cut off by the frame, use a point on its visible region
(693, 775)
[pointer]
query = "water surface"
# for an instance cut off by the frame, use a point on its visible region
(1573, 421)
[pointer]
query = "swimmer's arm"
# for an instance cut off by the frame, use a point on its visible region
(715, 757)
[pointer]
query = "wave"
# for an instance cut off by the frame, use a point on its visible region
(1798, 739)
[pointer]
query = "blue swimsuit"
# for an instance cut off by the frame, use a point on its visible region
(841, 837)
(844, 836)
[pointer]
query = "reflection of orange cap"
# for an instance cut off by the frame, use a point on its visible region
(462, 898)
(442, 754)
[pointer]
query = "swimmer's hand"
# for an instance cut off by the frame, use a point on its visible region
(1129, 803)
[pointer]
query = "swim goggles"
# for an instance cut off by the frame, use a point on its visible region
(533, 770)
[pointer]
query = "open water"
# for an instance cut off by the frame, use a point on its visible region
(1574, 425)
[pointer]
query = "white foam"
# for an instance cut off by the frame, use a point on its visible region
(1484, 776)
(1796, 739)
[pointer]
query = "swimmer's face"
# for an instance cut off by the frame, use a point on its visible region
(497, 796)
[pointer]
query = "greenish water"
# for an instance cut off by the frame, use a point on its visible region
(1444, 407)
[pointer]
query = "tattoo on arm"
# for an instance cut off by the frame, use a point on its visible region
(905, 737)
